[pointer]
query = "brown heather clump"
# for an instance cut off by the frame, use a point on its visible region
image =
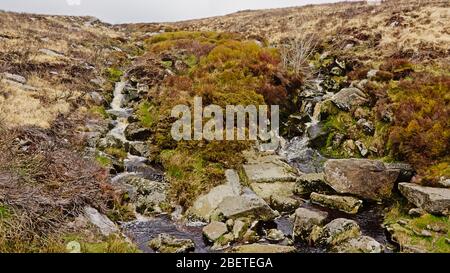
(421, 130)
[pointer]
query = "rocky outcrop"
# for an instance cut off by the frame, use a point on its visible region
(348, 98)
(336, 232)
(136, 132)
(368, 179)
(346, 204)
(361, 244)
(166, 243)
(304, 221)
(433, 200)
(263, 248)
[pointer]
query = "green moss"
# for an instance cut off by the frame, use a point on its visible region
(104, 161)
(147, 114)
(409, 235)
(110, 244)
(99, 111)
(113, 74)
(4, 212)
(116, 152)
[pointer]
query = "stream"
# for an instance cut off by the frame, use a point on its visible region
(295, 151)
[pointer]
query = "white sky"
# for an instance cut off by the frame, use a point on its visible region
(124, 11)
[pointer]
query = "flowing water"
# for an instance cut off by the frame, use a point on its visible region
(297, 153)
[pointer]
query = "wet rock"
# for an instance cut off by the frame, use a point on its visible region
(361, 148)
(166, 243)
(138, 148)
(110, 141)
(106, 226)
(369, 179)
(361, 244)
(305, 220)
(348, 98)
(15, 78)
(275, 235)
(433, 200)
(205, 205)
(223, 242)
(283, 203)
(338, 231)
(346, 204)
(135, 132)
(214, 230)
(247, 205)
(317, 135)
(311, 182)
(263, 248)
(406, 171)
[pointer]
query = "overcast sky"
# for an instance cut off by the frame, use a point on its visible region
(123, 11)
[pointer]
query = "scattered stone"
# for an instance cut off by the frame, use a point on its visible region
(106, 226)
(361, 148)
(214, 230)
(372, 73)
(433, 200)
(15, 78)
(349, 146)
(305, 220)
(369, 179)
(402, 222)
(317, 134)
(275, 235)
(139, 148)
(438, 227)
(247, 205)
(230, 224)
(416, 212)
(50, 52)
(367, 126)
(263, 248)
(426, 233)
(349, 97)
(447, 240)
(223, 242)
(361, 244)
(96, 98)
(444, 182)
(166, 243)
(239, 228)
(337, 231)
(284, 204)
(346, 204)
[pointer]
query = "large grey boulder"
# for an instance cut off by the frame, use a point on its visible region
(433, 200)
(304, 221)
(348, 98)
(368, 179)
(346, 204)
(247, 205)
(205, 205)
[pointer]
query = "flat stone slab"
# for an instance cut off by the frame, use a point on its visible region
(433, 200)
(268, 173)
(266, 190)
